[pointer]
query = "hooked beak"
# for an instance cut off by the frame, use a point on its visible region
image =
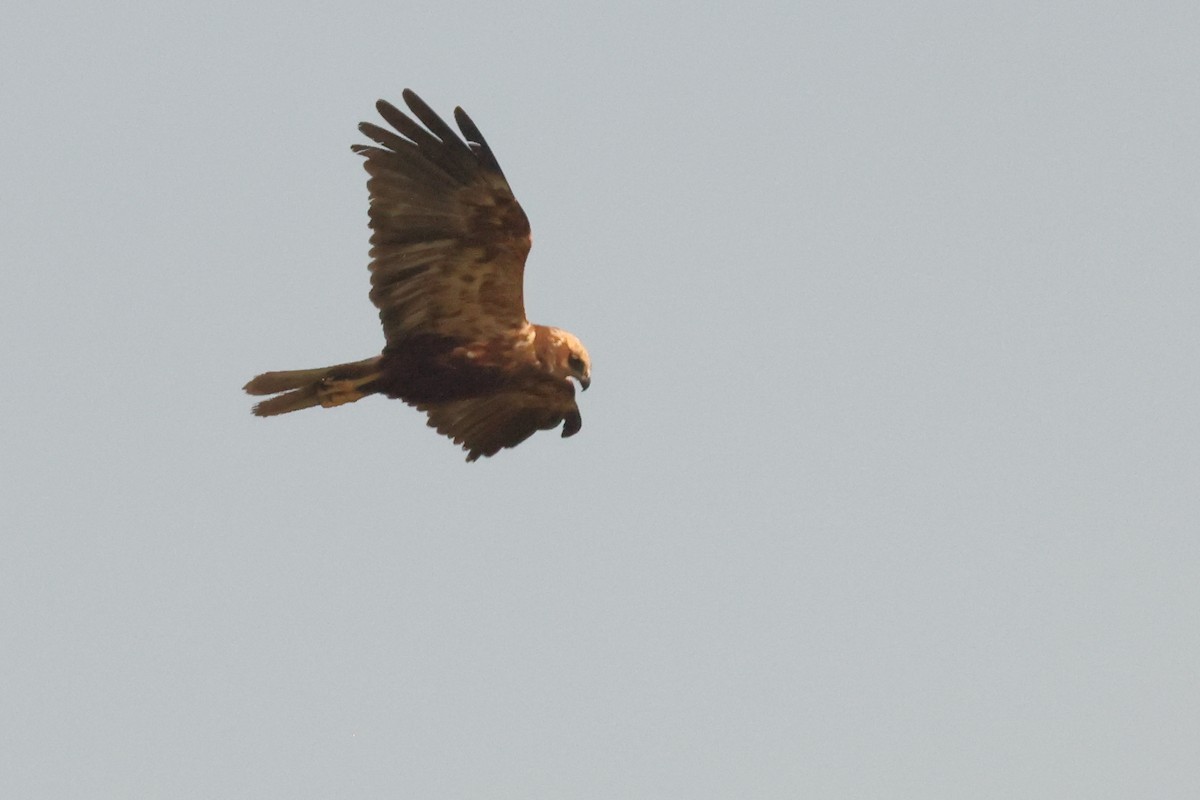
(585, 382)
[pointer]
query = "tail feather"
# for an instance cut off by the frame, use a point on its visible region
(275, 382)
(304, 388)
(306, 397)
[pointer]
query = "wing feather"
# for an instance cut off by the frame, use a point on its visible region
(449, 240)
(476, 141)
(487, 424)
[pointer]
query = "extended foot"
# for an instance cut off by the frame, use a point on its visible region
(335, 393)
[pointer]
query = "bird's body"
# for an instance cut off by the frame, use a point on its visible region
(448, 252)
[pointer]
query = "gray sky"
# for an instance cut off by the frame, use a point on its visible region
(887, 483)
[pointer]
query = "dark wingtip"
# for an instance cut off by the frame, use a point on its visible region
(572, 423)
(477, 143)
(416, 104)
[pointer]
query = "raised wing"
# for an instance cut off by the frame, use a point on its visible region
(485, 425)
(448, 239)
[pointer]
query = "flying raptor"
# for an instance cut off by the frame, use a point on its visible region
(448, 249)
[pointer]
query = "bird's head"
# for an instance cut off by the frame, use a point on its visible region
(569, 358)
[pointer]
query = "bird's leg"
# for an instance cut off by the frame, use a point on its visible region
(333, 392)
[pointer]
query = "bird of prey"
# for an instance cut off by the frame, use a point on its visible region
(448, 248)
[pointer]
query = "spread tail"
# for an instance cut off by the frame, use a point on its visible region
(304, 388)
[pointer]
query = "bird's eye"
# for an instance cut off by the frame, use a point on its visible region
(575, 362)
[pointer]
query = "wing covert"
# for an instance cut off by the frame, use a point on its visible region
(484, 425)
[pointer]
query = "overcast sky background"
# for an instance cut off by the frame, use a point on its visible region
(888, 478)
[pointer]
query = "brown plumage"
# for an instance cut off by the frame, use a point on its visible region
(448, 249)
